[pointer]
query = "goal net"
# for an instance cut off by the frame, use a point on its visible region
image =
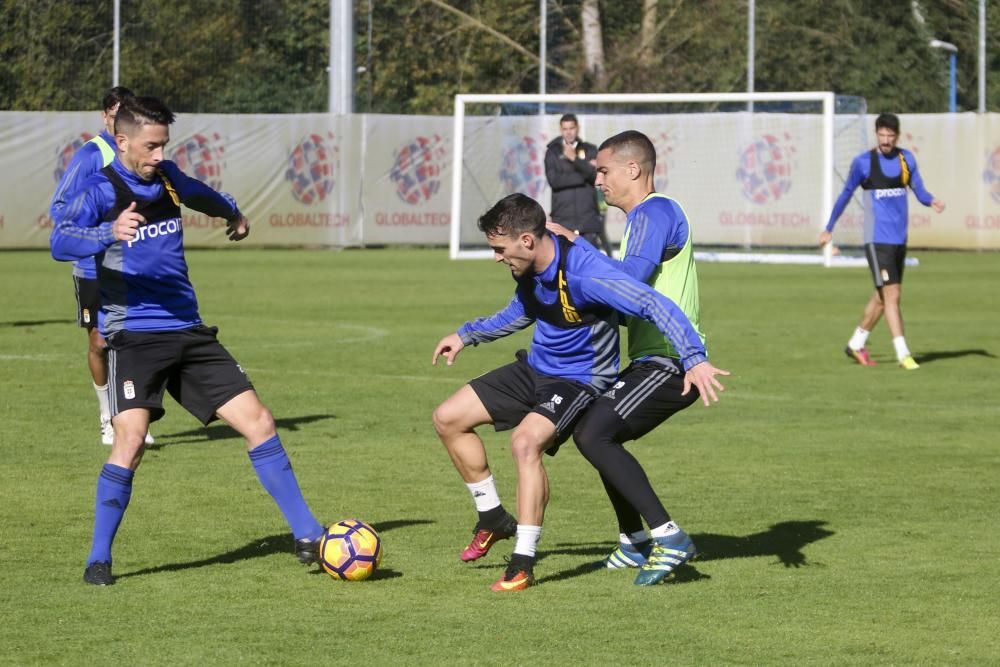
(757, 173)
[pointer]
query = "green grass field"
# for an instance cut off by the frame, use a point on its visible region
(845, 515)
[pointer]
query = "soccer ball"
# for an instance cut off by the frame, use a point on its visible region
(350, 550)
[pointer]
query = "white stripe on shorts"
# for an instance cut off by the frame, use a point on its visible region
(579, 403)
(642, 391)
(112, 381)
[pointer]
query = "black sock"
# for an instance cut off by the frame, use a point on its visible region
(492, 518)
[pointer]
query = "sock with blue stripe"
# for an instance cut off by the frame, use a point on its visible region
(274, 471)
(114, 489)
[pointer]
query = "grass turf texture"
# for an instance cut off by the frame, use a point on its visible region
(845, 515)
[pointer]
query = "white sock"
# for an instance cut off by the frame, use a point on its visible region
(902, 352)
(859, 339)
(485, 494)
(666, 530)
(102, 401)
(527, 540)
(634, 538)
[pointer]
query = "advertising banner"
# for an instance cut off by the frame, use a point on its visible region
(322, 180)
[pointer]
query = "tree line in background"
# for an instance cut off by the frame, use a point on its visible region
(413, 56)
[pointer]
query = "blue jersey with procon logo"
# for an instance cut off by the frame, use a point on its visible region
(91, 158)
(144, 282)
(886, 212)
(583, 283)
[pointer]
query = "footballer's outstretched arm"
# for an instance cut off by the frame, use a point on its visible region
(511, 319)
(631, 297)
(483, 330)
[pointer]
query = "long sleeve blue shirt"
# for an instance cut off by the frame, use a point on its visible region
(587, 354)
(886, 211)
(656, 228)
(86, 161)
(144, 282)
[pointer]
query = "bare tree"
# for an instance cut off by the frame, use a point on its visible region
(647, 34)
(593, 44)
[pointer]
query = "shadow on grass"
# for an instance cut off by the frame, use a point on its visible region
(282, 543)
(221, 431)
(34, 323)
(929, 357)
(784, 540)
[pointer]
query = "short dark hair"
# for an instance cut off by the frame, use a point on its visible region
(633, 144)
(569, 118)
(887, 120)
(138, 111)
(115, 96)
(514, 215)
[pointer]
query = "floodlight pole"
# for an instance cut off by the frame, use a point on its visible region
(117, 43)
(341, 71)
(952, 53)
(982, 56)
(543, 32)
(751, 39)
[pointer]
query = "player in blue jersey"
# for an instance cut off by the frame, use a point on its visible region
(657, 249)
(574, 299)
(128, 216)
(92, 156)
(884, 173)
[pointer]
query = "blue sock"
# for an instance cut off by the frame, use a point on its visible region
(114, 488)
(274, 471)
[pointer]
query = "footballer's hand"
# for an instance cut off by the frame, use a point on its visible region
(126, 225)
(449, 347)
(556, 228)
(937, 205)
(239, 229)
(825, 237)
(702, 376)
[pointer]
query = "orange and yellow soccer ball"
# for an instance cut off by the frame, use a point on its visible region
(350, 550)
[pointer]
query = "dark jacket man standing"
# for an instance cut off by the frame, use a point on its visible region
(570, 170)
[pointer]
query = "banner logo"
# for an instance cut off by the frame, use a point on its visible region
(418, 168)
(991, 173)
(311, 166)
(523, 167)
(765, 170)
(663, 143)
(202, 157)
(66, 151)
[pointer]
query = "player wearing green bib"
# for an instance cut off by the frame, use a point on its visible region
(656, 249)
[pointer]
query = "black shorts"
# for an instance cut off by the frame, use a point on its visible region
(511, 392)
(88, 301)
(886, 261)
(191, 364)
(646, 395)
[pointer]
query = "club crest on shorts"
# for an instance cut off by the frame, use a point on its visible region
(128, 389)
(885, 275)
(86, 315)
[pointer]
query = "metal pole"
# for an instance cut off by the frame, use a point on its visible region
(951, 83)
(117, 43)
(982, 56)
(543, 32)
(341, 72)
(952, 53)
(751, 12)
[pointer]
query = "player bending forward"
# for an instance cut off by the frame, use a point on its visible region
(574, 300)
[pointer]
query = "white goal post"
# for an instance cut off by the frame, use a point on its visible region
(749, 219)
